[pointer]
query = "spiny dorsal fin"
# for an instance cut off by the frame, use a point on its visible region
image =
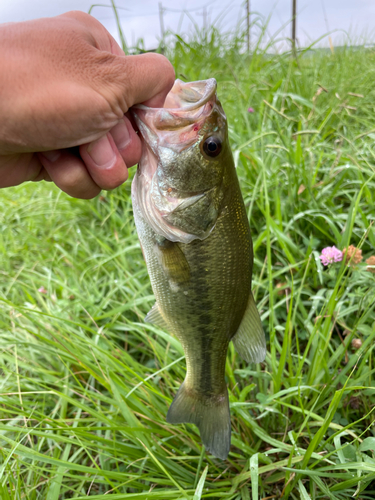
(154, 317)
(249, 340)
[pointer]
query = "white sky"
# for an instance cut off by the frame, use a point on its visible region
(140, 19)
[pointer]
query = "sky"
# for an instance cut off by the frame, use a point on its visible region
(345, 19)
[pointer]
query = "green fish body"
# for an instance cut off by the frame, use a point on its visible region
(196, 240)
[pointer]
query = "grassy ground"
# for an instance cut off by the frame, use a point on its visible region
(86, 383)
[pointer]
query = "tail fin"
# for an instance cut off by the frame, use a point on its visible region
(210, 414)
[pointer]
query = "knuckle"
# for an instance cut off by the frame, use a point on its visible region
(78, 15)
(169, 73)
(110, 81)
(165, 67)
(73, 181)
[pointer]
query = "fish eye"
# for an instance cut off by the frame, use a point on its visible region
(212, 146)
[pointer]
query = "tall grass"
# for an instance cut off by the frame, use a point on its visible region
(86, 383)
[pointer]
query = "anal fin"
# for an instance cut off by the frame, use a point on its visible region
(249, 340)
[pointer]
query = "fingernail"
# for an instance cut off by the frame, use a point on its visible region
(51, 155)
(101, 152)
(120, 134)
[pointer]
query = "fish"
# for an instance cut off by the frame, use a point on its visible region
(195, 237)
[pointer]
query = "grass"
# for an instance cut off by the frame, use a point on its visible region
(86, 383)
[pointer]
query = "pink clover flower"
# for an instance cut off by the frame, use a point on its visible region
(330, 255)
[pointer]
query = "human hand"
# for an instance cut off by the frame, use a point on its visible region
(65, 82)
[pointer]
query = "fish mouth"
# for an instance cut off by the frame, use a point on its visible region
(191, 95)
(177, 124)
(183, 97)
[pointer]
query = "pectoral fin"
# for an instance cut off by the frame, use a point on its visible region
(249, 340)
(155, 317)
(173, 262)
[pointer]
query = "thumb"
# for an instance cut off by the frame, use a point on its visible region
(145, 78)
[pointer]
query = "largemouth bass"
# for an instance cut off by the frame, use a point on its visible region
(195, 237)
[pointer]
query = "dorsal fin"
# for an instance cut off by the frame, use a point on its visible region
(249, 340)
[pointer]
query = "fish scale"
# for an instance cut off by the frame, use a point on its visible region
(198, 251)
